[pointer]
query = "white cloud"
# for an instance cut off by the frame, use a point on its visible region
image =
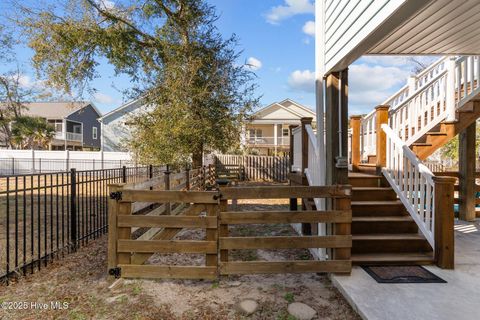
(290, 8)
(253, 64)
(309, 28)
(106, 4)
(302, 80)
(103, 98)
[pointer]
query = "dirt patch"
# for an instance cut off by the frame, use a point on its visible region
(81, 281)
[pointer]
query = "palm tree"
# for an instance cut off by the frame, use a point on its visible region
(32, 133)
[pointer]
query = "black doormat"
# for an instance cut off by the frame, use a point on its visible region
(402, 274)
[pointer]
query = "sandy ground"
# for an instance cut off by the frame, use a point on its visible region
(80, 280)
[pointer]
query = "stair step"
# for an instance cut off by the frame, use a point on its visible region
(373, 193)
(421, 144)
(392, 258)
(378, 208)
(384, 225)
(436, 133)
(365, 180)
(389, 243)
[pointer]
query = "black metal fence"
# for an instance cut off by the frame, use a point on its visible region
(44, 216)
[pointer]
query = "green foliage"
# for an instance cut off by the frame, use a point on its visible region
(450, 150)
(175, 57)
(31, 133)
(289, 297)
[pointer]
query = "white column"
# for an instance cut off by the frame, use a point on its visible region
(450, 88)
(275, 136)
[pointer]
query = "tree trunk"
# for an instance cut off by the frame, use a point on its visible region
(197, 157)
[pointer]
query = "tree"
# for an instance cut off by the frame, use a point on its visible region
(31, 133)
(175, 57)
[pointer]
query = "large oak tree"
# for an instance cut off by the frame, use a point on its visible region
(176, 59)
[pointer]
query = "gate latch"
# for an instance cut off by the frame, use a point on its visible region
(117, 195)
(116, 272)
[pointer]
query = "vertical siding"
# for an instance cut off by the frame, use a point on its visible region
(349, 22)
(89, 118)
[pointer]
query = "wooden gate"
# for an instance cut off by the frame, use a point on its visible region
(340, 241)
(208, 210)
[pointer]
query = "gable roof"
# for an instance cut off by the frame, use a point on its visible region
(287, 111)
(123, 109)
(56, 110)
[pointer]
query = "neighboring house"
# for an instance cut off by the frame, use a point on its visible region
(75, 123)
(268, 131)
(115, 125)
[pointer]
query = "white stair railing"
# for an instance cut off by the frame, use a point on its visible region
(368, 136)
(412, 181)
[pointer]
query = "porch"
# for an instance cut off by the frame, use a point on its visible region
(457, 299)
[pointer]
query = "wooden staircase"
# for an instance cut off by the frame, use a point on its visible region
(383, 232)
(446, 131)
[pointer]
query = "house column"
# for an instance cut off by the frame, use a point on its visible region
(336, 125)
(275, 137)
(466, 166)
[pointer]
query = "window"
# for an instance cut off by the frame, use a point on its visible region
(94, 133)
(285, 132)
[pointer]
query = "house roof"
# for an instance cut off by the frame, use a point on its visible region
(284, 110)
(124, 108)
(55, 110)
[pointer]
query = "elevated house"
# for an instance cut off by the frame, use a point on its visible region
(268, 131)
(76, 125)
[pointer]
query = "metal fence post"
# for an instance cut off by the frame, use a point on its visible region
(150, 172)
(73, 209)
(124, 174)
(187, 177)
(13, 166)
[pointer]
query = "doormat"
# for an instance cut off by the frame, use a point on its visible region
(402, 274)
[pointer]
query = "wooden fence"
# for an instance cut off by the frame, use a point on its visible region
(257, 168)
(208, 210)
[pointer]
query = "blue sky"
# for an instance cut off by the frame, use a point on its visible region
(277, 39)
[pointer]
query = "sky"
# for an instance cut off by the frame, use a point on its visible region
(277, 41)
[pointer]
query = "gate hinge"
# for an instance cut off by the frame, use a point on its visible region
(217, 196)
(117, 272)
(117, 195)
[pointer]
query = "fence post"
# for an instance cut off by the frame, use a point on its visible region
(150, 171)
(33, 161)
(355, 122)
(112, 225)
(223, 229)
(73, 209)
(381, 144)
(210, 174)
(67, 160)
(444, 221)
(187, 178)
(124, 174)
(305, 122)
(343, 229)
(167, 187)
(13, 166)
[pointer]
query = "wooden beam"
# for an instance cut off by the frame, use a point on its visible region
(355, 122)
(290, 242)
(169, 196)
(381, 117)
(300, 266)
(444, 221)
(467, 157)
(285, 192)
(263, 217)
(167, 246)
(168, 272)
(167, 222)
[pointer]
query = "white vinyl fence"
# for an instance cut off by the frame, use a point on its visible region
(13, 162)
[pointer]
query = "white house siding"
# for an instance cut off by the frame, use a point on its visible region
(115, 128)
(349, 22)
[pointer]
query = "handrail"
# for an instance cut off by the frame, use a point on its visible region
(412, 181)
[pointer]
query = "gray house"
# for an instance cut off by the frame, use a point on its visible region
(76, 124)
(115, 125)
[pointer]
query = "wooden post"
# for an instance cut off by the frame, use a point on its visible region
(187, 178)
(112, 226)
(305, 122)
(223, 230)
(211, 260)
(355, 122)
(466, 155)
(124, 233)
(342, 229)
(444, 221)
(167, 187)
(336, 125)
(381, 154)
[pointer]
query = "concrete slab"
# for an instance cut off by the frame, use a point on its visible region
(459, 299)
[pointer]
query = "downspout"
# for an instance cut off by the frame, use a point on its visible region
(340, 107)
(319, 85)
